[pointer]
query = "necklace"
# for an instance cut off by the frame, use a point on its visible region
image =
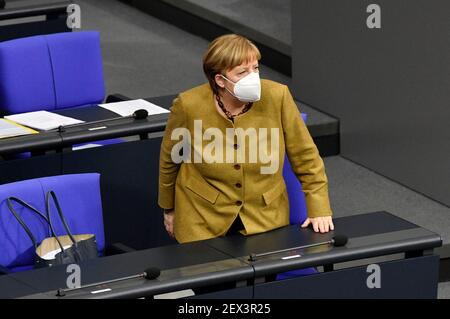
(228, 113)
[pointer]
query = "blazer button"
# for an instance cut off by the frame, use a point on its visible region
(239, 203)
(238, 185)
(237, 167)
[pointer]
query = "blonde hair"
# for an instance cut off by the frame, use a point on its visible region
(225, 53)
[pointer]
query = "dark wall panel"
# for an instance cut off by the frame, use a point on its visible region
(28, 168)
(390, 87)
(129, 184)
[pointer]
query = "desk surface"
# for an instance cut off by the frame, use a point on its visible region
(370, 235)
(116, 127)
(90, 114)
(225, 259)
(182, 266)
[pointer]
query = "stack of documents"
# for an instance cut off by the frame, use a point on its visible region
(42, 120)
(11, 129)
(127, 108)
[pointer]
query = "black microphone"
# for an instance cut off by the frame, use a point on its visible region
(137, 115)
(337, 241)
(140, 114)
(150, 274)
(2, 4)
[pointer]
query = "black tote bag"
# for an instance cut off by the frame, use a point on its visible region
(56, 250)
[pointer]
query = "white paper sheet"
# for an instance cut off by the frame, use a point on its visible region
(8, 129)
(51, 254)
(127, 108)
(42, 120)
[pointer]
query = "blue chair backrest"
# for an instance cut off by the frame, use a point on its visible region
(297, 203)
(50, 72)
(298, 211)
(80, 200)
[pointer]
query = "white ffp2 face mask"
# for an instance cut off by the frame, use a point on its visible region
(247, 89)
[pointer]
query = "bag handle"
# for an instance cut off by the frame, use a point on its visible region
(22, 223)
(51, 194)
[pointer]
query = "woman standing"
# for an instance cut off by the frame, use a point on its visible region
(232, 135)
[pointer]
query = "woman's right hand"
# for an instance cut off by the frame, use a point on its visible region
(169, 216)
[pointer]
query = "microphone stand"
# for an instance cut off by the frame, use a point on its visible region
(254, 257)
(138, 115)
(62, 292)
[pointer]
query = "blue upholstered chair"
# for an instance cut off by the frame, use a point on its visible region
(297, 204)
(298, 211)
(51, 72)
(80, 200)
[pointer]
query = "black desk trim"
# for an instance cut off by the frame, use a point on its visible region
(221, 266)
(116, 127)
(59, 8)
(405, 237)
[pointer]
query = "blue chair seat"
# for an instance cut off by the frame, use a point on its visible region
(297, 210)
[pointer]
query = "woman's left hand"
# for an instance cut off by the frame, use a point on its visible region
(320, 224)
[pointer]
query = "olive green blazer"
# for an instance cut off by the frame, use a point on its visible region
(208, 195)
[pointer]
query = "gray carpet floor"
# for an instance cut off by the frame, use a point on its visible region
(444, 290)
(355, 190)
(266, 16)
(144, 56)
